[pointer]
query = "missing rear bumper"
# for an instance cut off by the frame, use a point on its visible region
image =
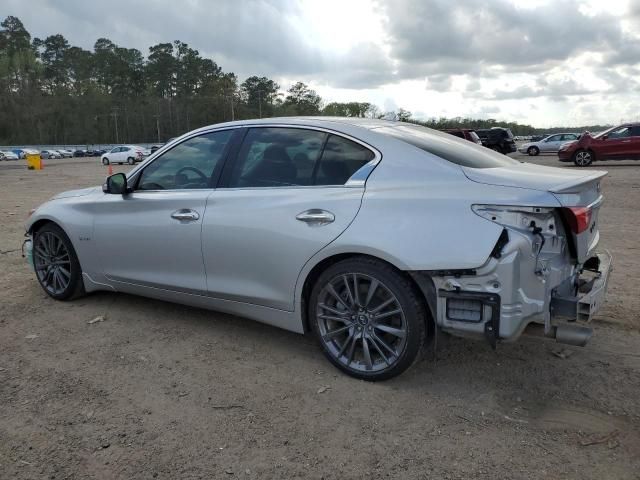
(590, 294)
(474, 307)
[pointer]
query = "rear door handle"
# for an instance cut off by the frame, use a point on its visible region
(316, 217)
(185, 215)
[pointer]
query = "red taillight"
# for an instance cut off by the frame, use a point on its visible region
(578, 218)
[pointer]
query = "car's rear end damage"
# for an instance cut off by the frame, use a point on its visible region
(543, 275)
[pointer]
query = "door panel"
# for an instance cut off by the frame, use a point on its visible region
(138, 241)
(254, 247)
(618, 145)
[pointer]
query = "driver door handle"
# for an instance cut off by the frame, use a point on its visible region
(316, 216)
(185, 215)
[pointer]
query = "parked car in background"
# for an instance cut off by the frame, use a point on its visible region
(155, 148)
(466, 133)
(21, 153)
(125, 154)
(498, 139)
(617, 143)
(226, 220)
(550, 144)
(65, 153)
(99, 153)
(80, 153)
(50, 154)
(8, 155)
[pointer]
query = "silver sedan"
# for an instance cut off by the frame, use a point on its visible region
(369, 235)
(550, 144)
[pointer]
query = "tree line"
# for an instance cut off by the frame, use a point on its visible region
(56, 93)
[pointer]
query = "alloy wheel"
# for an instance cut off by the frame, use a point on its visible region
(583, 158)
(361, 322)
(52, 263)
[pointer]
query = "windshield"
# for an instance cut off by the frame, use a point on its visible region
(598, 135)
(448, 147)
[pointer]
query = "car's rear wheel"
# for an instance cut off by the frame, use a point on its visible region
(583, 158)
(130, 161)
(368, 318)
(56, 264)
(533, 151)
(105, 161)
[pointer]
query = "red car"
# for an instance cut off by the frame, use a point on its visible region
(466, 133)
(617, 143)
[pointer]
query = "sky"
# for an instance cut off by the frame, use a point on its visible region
(544, 63)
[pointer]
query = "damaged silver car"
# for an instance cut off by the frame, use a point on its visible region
(370, 235)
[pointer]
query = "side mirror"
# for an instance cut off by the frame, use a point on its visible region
(115, 184)
(605, 136)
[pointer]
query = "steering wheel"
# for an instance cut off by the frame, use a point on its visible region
(195, 170)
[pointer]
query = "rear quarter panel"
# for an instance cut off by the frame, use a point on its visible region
(416, 214)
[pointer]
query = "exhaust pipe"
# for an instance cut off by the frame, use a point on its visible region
(576, 335)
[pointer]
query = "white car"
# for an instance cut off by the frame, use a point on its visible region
(50, 154)
(8, 155)
(65, 153)
(124, 154)
(550, 144)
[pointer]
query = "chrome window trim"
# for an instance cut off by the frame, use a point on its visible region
(358, 179)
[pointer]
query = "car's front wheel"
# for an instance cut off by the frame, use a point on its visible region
(583, 158)
(105, 161)
(368, 318)
(56, 264)
(130, 161)
(533, 151)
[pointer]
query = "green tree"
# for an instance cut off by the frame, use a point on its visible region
(301, 100)
(259, 95)
(161, 70)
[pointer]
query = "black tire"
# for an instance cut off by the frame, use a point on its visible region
(583, 158)
(533, 151)
(130, 161)
(358, 330)
(105, 161)
(75, 286)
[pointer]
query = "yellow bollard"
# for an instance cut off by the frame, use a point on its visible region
(34, 162)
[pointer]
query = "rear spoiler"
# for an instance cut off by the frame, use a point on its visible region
(570, 186)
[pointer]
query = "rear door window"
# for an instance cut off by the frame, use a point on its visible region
(340, 160)
(277, 157)
(285, 157)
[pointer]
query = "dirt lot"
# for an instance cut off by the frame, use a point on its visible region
(165, 391)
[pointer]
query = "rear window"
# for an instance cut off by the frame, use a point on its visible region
(443, 145)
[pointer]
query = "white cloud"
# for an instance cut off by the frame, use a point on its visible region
(575, 62)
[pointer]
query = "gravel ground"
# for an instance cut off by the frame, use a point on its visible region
(158, 390)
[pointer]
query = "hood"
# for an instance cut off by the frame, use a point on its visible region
(531, 176)
(76, 193)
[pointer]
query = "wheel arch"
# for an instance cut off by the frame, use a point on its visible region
(314, 272)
